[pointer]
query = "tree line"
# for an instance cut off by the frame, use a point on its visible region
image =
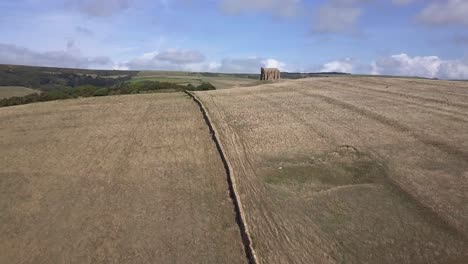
(89, 90)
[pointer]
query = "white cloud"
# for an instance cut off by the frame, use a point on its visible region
(120, 67)
(100, 8)
(425, 66)
(453, 70)
(402, 64)
(171, 59)
(342, 16)
(283, 8)
(243, 65)
(403, 2)
(249, 65)
(349, 2)
(190, 60)
(336, 18)
(272, 63)
(345, 65)
(177, 56)
(105, 8)
(149, 55)
(71, 57)
(203, 67)
(449, 12)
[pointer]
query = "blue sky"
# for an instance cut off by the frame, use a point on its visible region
(406, 37)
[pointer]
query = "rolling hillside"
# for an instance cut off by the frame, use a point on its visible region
(318, 170)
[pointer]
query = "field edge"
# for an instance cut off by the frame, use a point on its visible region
(233, 191)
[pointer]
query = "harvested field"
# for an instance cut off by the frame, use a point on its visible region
(223, 81)
(228, 82)
(11, 91)
(121, 179)
(349, 170)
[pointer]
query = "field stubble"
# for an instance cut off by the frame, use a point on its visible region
(121, 179)
(349, 170)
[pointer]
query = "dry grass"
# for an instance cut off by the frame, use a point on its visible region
(349, 170)
(124, 179)
(11, 91)
(228, 82)
(328, 170)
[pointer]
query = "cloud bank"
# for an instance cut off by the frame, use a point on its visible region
(282, 8)
(100, 8)
(71, 57)
(193, 60)
(423, 66)
(403, 65)
(443, 13)
(345, 65)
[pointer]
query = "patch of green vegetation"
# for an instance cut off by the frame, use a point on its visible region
(101, 92)
(59, 83)
(91, 90)
(341, 167)
(202, 87)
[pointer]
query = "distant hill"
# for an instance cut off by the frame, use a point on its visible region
(26, 84)
(45, 78)
(300, 75)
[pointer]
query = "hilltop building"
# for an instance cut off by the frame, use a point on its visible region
(270, 74)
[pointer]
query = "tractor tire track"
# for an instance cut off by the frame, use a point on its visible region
(394, 185)
(356, 90)
(462, 154)
(420, 98)
(419, 86)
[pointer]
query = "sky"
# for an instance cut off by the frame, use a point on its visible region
(427, 38)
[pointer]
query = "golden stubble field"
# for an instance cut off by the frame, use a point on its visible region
(349, 170)
(124, 179)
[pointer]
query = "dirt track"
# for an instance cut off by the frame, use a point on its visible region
(124, 179)
(350, 170)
